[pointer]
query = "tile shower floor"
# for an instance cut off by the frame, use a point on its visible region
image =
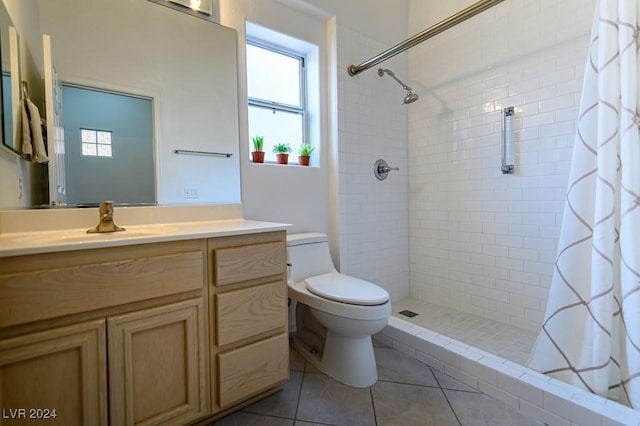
(505, 341)
(407, 393)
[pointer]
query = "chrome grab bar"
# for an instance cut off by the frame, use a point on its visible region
(508, 140)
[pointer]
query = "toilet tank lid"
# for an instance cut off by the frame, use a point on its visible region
(305, 238)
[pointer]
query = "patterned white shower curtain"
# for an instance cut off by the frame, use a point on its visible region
(591, 331)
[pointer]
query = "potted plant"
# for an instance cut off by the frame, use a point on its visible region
(282, 151)
(257, 155)
(304, 153)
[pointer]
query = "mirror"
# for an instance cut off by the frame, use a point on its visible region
(184, 64)
(10, 85)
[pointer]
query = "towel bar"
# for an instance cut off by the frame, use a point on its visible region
(208, 153)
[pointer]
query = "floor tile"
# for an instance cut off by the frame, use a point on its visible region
(477, 409)
(408, 392)
(296, 361)
(447, 382)
(282, 403)
(247, 419)
(394, 366)
(400, 404)
(323, 400)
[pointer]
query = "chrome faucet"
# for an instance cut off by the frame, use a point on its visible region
(106, 223)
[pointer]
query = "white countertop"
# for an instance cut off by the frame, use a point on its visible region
(24, 243)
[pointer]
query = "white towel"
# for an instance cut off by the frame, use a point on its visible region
(33, 148)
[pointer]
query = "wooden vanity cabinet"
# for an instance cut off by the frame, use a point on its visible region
(137, 312)
(161, 333)
(248, 328)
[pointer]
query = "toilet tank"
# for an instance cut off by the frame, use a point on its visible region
(308, 255)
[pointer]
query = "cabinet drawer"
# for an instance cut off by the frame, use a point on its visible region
(251, 369)
(238, 264)
(250, 311)
(38, 295)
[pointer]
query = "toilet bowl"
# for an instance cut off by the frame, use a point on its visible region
(336, 314)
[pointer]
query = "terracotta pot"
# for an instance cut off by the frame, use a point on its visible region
(303, 160)
(282, 158)
(257, 156)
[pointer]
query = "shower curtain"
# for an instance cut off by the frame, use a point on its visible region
(591, 331)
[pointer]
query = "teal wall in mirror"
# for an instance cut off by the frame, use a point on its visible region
(108, 139)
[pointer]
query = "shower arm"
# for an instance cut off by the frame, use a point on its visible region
(392, 75)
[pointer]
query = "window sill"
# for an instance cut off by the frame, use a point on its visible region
(273, 163)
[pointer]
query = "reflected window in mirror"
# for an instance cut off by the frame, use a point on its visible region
(96, 143)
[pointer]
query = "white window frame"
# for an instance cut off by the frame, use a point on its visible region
(277, 106)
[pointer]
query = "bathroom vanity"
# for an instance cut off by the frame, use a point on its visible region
(166, 324)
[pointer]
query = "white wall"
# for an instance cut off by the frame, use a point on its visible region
(480, 241)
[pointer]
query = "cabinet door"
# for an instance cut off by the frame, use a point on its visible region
(58, 376)
(157, 365)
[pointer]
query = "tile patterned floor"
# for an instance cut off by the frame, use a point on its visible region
(500, 339)
(407, 393)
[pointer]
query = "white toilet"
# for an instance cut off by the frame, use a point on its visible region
(336, 315)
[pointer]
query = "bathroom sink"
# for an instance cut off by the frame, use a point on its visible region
(81, 236)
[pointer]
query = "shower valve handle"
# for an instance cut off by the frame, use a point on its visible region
(381, 169)
(387, 169)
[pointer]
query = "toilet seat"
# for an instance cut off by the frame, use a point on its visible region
(345, 289)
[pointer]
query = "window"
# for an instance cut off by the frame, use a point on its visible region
(96, 143)
(277, 96)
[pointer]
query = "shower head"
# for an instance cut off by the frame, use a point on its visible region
(411, 97)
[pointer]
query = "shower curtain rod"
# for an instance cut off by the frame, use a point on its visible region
(433, 30)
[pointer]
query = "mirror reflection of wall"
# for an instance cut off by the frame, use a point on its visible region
(108, 139)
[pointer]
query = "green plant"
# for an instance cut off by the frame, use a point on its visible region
(282, 148)
(305, 150)
(258, 143)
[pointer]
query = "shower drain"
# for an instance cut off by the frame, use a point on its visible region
(408, 313)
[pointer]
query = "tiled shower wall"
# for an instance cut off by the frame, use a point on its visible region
(372, 124)
(481, 241)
